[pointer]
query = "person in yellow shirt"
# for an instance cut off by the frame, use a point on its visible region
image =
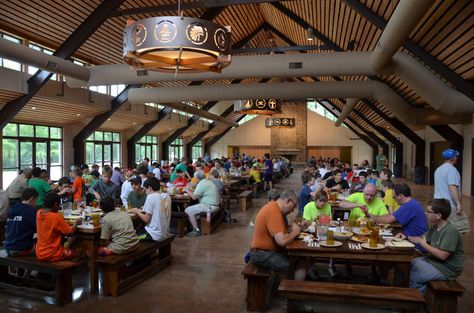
(361, 202)
(255, 174)
(389, 198)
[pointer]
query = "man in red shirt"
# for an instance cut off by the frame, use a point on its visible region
(271, 235)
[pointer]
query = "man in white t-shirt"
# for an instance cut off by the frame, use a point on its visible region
(156, 212)
(447, 185)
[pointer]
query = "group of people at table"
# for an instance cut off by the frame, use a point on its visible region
(438, 242)
(34, 204)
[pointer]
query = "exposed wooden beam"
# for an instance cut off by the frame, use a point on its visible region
(464, 86)
(65, 51)
(188, 6)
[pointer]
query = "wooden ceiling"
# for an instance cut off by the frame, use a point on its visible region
(445, 32)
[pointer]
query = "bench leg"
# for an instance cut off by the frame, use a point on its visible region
(110, 280)
(256, 293)
(181, 225)
(243, 204)
(164, 252)
(64, 287)
(441, 302)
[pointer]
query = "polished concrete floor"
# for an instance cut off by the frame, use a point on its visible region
(205, 273)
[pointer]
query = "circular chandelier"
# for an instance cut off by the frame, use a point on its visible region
(173, 43)
(258, 106)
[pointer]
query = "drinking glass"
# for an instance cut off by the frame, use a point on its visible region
(96, 219)
(330, 237)
(67, 208)
(322, 231)
(374, 237)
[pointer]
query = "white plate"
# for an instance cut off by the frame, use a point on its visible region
(404, 244)
(325, 244)
(367, 246)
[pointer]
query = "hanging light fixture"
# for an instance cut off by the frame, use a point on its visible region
(258, 106)
(174, 43)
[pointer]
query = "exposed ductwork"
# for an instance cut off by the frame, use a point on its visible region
(293, 91)
(346, 110)
(195, 111)
(49, 63)
(404, 19)
(275, 65)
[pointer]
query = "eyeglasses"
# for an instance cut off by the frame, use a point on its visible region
(430, 212)
(294, 204)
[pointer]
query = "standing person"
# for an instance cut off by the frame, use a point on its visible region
(117, 233)
(181, 166)
(21, 225)
(126, 187)
(77, 188)
(268, 172)
(271, 236)
(209, 199)
(41, 186)
(445, 258)
(18, 185)
(156, 212)
(447, 185)
(381, 160)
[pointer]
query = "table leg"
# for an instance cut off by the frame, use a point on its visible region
(291, 272)
(91, 246)
(405, 267)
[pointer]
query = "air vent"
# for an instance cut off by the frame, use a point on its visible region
(295, 65)
(52, 66)
(142, 73)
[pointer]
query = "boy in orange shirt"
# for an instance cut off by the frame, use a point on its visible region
(77, 185)
(50, 230)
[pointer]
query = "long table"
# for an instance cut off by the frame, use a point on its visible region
(299, 249)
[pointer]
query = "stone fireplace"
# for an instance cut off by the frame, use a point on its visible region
(291, 142)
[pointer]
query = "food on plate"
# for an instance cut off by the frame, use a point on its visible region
(303, 235)
(344, 235)
(360, 238)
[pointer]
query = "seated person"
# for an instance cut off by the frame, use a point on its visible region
(410, 214)
(181, 181)
(136, 197)
(337, 183)
(105, 187)
(255, 174)
(359, 186)
(214, 177)
(64, 189)
(445, 258)
(385, 175)
(389, 198)
(117, 233)
(233, 170)
(209, 199)
(21, 225)
(156, 213)
(271, 236)
(306, 194)
(367, 200)
(372, 176)
(50, 230)
(317, 208)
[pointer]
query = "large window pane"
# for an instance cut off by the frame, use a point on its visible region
(116, 137)
(90, 153)
(41, 153)
(26, 154)
(26, 130)
(99, 136)
(10, 154)
(10, 130)
(107, 154)
(107, 136)
(55, 153)
(55, 132)
(56, 172)
(98, 153)
(42, 131)
(116, 154)
(8, 176)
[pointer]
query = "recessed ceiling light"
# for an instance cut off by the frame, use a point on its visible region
(134, 123)
(33, 108)
(78, 114)
(108, 119)
(169, 128)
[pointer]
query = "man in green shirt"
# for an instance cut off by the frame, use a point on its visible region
(40, 185)
(381, 161)
(367, 199)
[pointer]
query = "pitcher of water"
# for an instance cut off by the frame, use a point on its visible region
(67, 208)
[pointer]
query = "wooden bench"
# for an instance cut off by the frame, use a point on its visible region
(257, 278)
(257, 189)
(406, 299)
(121, 272)
(245, 199)
(216, 218)
(181, 220)
(442, 296)
(59, 288)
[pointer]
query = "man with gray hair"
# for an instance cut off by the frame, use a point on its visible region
(271, 235)
(17, 186)
(208, 195)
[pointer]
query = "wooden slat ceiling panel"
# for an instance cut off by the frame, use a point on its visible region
(7, 96)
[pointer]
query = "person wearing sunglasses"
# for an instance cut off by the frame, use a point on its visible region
(271, 236)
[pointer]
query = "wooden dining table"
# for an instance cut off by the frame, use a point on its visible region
(299, 249)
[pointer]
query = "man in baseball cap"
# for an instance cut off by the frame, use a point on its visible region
(449, 154)
(448, 186)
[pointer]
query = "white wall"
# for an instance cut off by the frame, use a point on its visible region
(252, 133)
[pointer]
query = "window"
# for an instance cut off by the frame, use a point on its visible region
(147, 147)
(8, 63)
(316, 107)
(247, 118)
(197, 150)
(26, 145)
(176, 149)
(103, 148)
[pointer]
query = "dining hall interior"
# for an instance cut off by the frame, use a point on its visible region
(341, 82)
